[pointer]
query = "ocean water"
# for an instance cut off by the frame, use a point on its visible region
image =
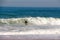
(29, 20)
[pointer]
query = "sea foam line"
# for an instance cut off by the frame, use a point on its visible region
(34, 32)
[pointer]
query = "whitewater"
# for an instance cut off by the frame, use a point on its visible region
(32, 21)
(35, 25)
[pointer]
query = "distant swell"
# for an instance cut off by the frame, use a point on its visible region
(32, 21)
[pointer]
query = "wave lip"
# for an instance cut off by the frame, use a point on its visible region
(32, 21)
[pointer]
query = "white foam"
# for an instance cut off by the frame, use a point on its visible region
(34, 32)
(32, 21)
(36, 25)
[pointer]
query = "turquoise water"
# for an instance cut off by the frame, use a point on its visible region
(16, 12)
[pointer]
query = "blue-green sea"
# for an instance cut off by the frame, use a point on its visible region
(15, 12)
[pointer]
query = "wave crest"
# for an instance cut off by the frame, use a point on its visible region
(31, 21)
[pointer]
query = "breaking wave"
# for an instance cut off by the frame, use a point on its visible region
(33, 25)
(32, 21)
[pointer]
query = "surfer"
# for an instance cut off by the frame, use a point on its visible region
(26, 22)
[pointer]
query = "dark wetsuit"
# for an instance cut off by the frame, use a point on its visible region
(26, 22)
